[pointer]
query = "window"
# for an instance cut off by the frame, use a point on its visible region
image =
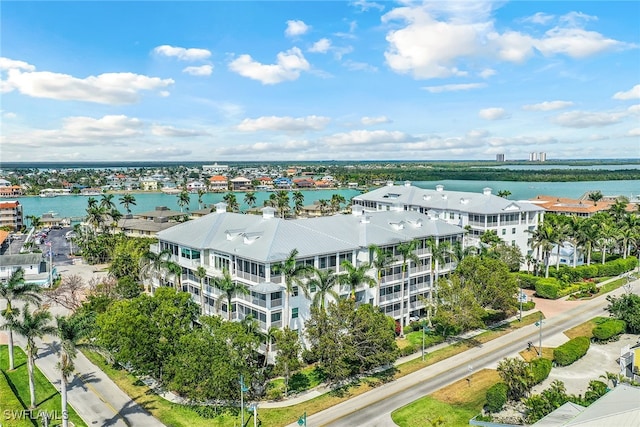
(294, 313)
(504, 231)
(275, 317)
(513, 230)
(295, 291)
(312, 288)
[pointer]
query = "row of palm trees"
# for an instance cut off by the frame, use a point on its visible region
(34, 324)
(615, 230)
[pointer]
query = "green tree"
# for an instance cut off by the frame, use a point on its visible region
(201, 193)
(16, 289)
(106, 202)
(152, 265)
(230, 288)
(336, 201)
(298, 201)
(127, 200)
(504, 194)
(542, 240)
(231, 201)
(184, 199)
(324, 282)
(509, 254)
(250, 198)
(201, 273)
(32, 325)
(381, 260)
(354, 277)
(493, 285)
(517, 375)
(407, 252)
(174, 269)
(626, 307)
(595, 197)
(458, 307)
(288, 357)
(282, 202)
(293, 273)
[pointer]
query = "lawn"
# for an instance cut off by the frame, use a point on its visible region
(14, 392)
(453, 405)
(308, 378)
(177, 415)
(585, 329)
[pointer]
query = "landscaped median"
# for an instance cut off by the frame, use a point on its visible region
(14, 395)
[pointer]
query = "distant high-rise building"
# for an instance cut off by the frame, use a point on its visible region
(533, 157)
(543, 156)
(500, 158)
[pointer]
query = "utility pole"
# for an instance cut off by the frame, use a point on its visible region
(243, 389)
(539, 324)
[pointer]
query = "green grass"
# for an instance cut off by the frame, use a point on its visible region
(430, 339)
(308, 378)
(16, 383)
(453, 405)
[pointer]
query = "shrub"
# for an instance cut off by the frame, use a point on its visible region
(571, 351)
(496, 397)
(568, 290)
(540, 369)
(408, 350)
(275, 393)
(547, 288)
(529, 305)
(608, 329)
(587, 271)
(527, 281)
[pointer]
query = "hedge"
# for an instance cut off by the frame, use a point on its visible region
(608, 269)
(608, 329)
(540, 369)
(526, 280)
(548, 288)
(496, 397)
(529, 305)
(571, 351)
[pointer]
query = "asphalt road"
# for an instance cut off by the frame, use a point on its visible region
(374, 407)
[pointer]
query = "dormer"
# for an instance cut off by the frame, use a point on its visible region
(415, 222)
(512, 207)
(357, 210)
(233, 233)
(486, 191)
(268, 212)
(407, 183)
(397, 225)
(249, 238)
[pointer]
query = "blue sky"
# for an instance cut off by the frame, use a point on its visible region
(319, 80)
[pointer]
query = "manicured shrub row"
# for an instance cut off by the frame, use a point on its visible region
(527, 281)
(571, 351)
(496, 397)
(529, 305)
(548, 288)
(609, 268)
(608, 329)
(540, 369)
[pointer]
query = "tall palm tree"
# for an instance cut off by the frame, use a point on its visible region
(176, 270)
(201, 273)
(184, 199)
(250, 198)
(16, 289)
(152, 265)
(106, 202)
(381, 260)
(298, 201)
(96, 216)
(92, 202)
(127, 200)
(560, 233)
(293, 274)
(354, 276)
(324, 282)
(201, 192)
(336, 201)
(231, 201)
(69, 331)
(323, 204)
(629, 231)
(282, 202)
(542, 241)
(439, 252)
(407, 252)
(504, 194)
(116, 216)
(230, 288)
(31, 326)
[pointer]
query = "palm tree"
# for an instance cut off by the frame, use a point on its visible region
(176, 270)
(354, 276)
(152, 264)
(231, 201)
(70, 331)
(201, 273)
(106, 202)
(201, 193)
(269, 336)
(336, 201)
(619, 209)
(250, 199)
(381, 260)
(298, 201)
(31, 326)
(127, 200)
(406, 251)
(16, 289)
(35, 221)
(323, 204)
(184, 199)
(95, 217)
(324, 282)
(439, 252)
(230, 288)
(293, 273)
(542, 240)
(116, 216)
(504, 194)
(560, 232)
(91, 203)
(595, 196)
(282, 202)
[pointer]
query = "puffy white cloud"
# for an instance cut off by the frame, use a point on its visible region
(487, 72)
(538, 18)
(366, 137)
(575, 42)
(172, 132)
(454, 87)
(203, 70)
(296, 28)
(321, 46)
(634, 132)
(359, 66)
(633, 93)
(288, 67)
(108, 88)
(584, 119)
(183, 54)
(634, 109)
(547, 106)
(289, 124)
(8, 64)
(368, 121)
(494, 113)
(365, 5)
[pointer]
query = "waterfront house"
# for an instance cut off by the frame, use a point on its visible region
(240, 183)
(218, 183)
(11, 214)
(195, 186)
(35, 266)
(11, 190)
(304, 183)
(149, 184)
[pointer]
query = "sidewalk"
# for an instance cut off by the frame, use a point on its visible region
(549, 308)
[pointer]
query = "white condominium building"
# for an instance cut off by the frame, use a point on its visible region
(249, 246)
(477, 212)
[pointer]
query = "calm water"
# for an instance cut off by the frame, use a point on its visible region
(75, 206)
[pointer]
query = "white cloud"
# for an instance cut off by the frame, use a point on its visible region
(183, 54)
(9, 115)
(272, 150)
(288, 67)
(289, 124)
(547, 106)
(494, 113)
(365, 5)
(576, 18)
(575, 42)
(172, 132)
(359, 66)
(584, 119)
(9, 64)
(296, 28)
(108, 88)
(633, 93)
(368, 121)
(634, 132)
(634, 109)
(156, 153)
(538, 18)
(203, 70)
(454, 87)
(366, 137)
(519, 141)
(321, 46)
(487, 72)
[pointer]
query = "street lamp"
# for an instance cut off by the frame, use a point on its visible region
(539, 324)
(243, 390)
(425, 329)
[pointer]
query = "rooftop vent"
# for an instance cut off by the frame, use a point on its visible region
(397, 225)
(439, 187)
(407, 183)
(268, 212)
(389, 183)
(357, 210)
(221, 207)
(486, 191)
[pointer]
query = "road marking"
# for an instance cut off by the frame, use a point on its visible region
(93, 389)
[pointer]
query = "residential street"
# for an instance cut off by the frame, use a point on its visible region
(374, 407)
